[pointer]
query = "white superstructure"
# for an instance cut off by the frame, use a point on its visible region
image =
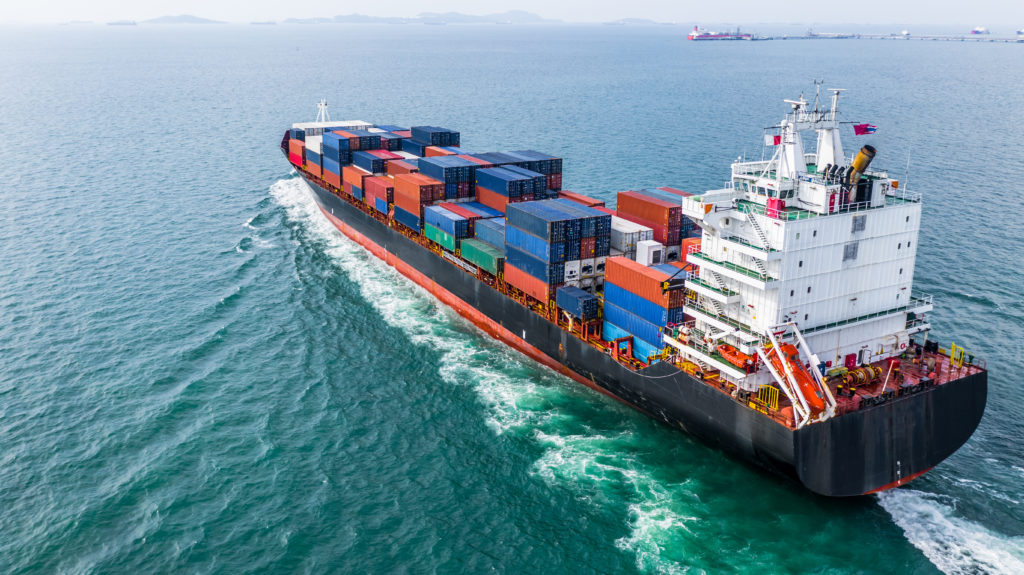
(813, 249)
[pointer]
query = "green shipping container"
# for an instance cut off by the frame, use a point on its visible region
(483, 255)
(447, 241)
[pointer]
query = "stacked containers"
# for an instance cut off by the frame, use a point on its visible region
(498, 187)
(412, 192)
(402, 167)
(536, 188)
(390, 142)
(491, 231)
(296, 152)
(374, 161)
(434, 136)
(380, 192)
(539, 237)
(587, 268)
(635, 303)
(545, 164)
(352, 179)
(313, 161)
(658, 213)
(458, 175)
(576, 302)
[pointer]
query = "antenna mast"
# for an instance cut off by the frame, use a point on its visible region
(322, 115)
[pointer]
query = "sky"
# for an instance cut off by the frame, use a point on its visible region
(995, 14)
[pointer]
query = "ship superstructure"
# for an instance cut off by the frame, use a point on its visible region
(814, 248)
(699, 33)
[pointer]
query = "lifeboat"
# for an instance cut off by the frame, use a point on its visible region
(735, 356)
(805, 382)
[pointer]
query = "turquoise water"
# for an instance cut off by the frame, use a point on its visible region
(198, 374)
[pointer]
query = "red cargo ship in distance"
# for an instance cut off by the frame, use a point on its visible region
(702, 34)
(725, 314)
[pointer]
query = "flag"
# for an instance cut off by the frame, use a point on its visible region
(863, 129)
(770, 140)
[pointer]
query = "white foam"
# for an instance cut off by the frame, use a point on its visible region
(593, 465)
(954, 544)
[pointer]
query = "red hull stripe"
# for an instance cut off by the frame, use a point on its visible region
(899, 482)
(467, 311)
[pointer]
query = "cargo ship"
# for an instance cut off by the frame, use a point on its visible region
(699, 33)
(774, 318)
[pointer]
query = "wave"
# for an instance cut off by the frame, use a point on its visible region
(599, 466)
(954, 544)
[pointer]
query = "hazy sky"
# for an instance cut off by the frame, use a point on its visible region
(995, 14)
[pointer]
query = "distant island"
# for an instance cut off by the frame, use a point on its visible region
(510, 17)
(264, 23)
(182, 19)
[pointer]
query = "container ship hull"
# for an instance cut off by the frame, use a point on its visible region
(864, 451)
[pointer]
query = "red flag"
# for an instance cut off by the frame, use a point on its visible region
(770, 140)
(863, 129)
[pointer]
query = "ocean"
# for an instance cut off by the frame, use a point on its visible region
(199, 374)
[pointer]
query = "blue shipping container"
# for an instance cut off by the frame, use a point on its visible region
(414, 147)
(538, 219)
(549, 252)
(381, 205)
(312, 158)
(641, 349)
(447, 221)
(357, 192)
(632, 323)
(408, 220)
(578, 303)
(369, 162)
(553, 274)
(625, 299)
(491, 232)
(332, 166)
(484, 211)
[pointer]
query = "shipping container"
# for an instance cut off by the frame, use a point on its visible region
(492, 232)
(577, 303)
(447, 221)
(544, 220)
(381, 205)
(536, 247)
(414, 147)
(332, 178)
(435, 151)
(648, 310)
(537, 183)
(649, 209)
(491, 199)
(391, 128)
(676, 191)
(448, 169)
(313, 158)
(401, 167)
(380, 187)
(434, 136)
(484, 255)
(369, 162)
(580, 199)
(446, 240)
(642, 350)
(535, 288)
(409, 220)
(634, 324)
(502, 181)
(482, 210)
(415, 190)
(643, 281)
(626, 234)
(552, 273)
(354, 175)
(669, 235)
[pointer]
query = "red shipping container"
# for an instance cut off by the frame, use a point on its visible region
(412, 191)
(650, 209)
(535, 288)
(679, 192)
(459, 210)
(401, 167)
(295, 159)
(381, 187)
(297, 148)
(347, 188)
(491, 199)
(384, 155)
(333, 179)
(580, 199)
(353, 140)
(403, 133)
(642, 281)
(587, 247)
(483, 163)
(668, 235)
(433, 151)
(554, 181)
(354, 176)
(605, 210)
(464, 190)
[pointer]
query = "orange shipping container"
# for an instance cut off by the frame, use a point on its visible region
(399, 167)
(650, 209)
(580, 199)
(491, 199)
(354, 176)
(535, 288)
(433, 151)
(314, 169)
(332, 179)
(676, 191)
(641, 280)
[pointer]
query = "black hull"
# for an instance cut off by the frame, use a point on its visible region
(853, 454)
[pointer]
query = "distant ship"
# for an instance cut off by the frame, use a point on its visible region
(980, 30)
(701, 34)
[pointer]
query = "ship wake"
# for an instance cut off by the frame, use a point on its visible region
(954, 544)
(602, 467)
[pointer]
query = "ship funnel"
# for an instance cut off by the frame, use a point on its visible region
(860, 163)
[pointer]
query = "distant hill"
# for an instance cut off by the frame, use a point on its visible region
(182, 19)
(510, 17)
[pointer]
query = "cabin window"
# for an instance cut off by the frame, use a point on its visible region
(908, 244)
(899, 246)
(908, 219)
(808, 289)
(814, 233)
(859, 223)
(798, 235)
(805, 317)
(801, 264)
(850, 251)
(790, 293)
(901, 271)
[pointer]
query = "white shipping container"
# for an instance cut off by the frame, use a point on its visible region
(314, 143)
(626, 234)
(588, 267)
(572, 270)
